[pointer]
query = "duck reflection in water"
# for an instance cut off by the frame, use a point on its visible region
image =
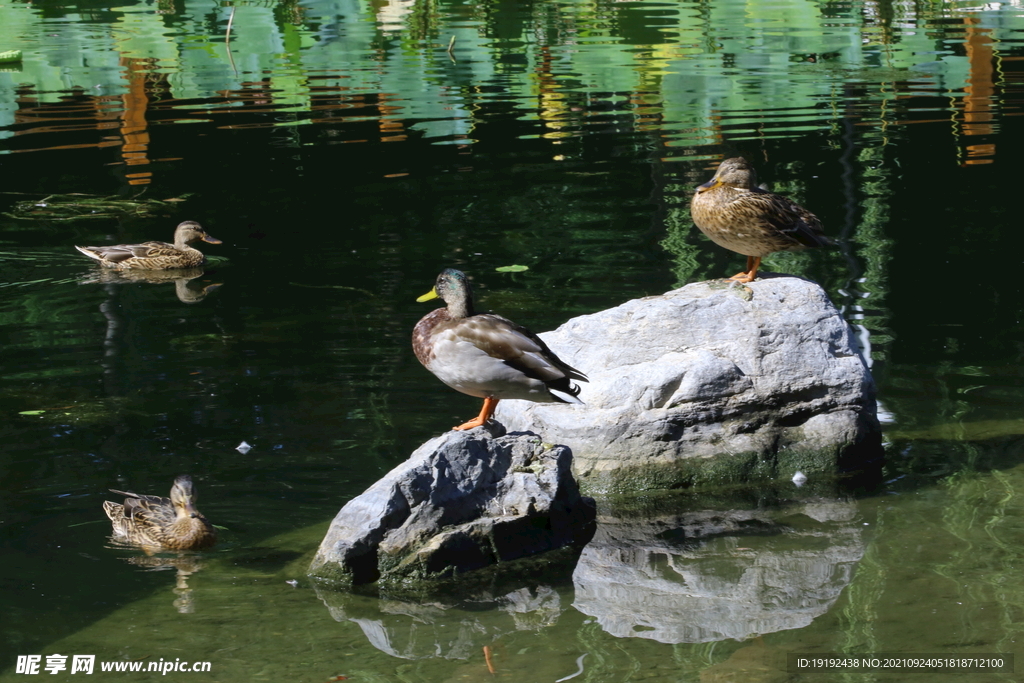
(186, 287)
(185, 565)
(737, 214)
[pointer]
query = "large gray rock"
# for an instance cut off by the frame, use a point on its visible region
(462, 501)
(710, 383)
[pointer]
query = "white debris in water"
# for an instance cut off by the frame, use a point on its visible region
(799, 478)
(243, 448)
(579, 663)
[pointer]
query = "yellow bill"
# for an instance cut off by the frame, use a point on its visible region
(432, 294)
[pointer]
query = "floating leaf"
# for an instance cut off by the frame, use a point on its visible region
(512, 269)
(32, 412)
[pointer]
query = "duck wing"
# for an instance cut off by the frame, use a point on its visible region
(147, 509)
(787, 218)
(521, 349)
(116, 253)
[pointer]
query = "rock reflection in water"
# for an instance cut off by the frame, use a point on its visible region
(186, 287)
(426, 630)
(186, 566)
(691, 578)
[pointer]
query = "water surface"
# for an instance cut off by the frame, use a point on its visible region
(344, 155)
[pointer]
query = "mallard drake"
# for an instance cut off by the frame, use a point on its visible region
(155, 255)
(161, 523)
(738, 215)
(486, 355)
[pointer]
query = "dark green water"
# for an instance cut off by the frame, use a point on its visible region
(344, 158)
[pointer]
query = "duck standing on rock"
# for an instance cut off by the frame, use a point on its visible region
(738, 215)
(486, 355)
(157, 523)
(155, 255)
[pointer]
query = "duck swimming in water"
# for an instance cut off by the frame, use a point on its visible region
(157, 523)
(155, 255)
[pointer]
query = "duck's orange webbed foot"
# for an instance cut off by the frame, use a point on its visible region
(475, 422)
(485, 414)
(748, 275)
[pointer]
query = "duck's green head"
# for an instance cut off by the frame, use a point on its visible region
(452, 286)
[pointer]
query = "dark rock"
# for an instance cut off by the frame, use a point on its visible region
(462, 501)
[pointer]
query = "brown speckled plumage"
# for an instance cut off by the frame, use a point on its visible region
(486, 355)
(737, 214)
(157, 523)
(421, 334)
(155, 255)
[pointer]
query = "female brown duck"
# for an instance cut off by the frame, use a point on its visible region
(738, 215)
(487, 356)
(155, 255)
(157, 523)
